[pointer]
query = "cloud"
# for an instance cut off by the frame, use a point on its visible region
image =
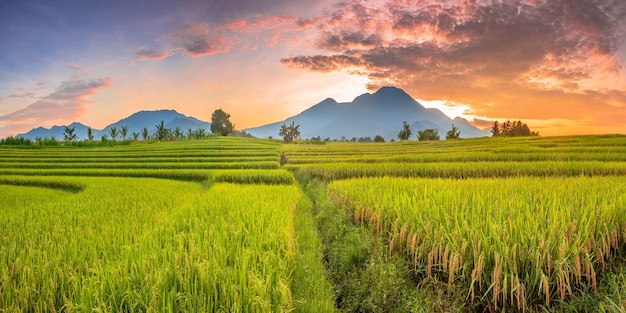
(205, 39)
(481, 123)
(519, 58)
(22, 94)
(149, 54)
(65, 104)
(76, 67)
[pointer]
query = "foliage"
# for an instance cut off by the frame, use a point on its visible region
(89, 133)
(68, 134)
(144, 133)
(512, 129)
(289, 132)
(405, 133)
(162, 133)
(427, 134)
(113, 132)
(453, 133)
(379, 138)
(220, 123)
(124, 132)
(15, 141)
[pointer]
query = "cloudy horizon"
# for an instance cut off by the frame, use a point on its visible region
(556, 65)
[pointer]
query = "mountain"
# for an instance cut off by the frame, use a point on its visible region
(368, 115)
(135, 122)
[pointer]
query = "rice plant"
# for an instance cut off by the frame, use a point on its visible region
(520, 242)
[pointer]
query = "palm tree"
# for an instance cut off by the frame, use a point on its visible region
(290, 132)
(295, 131)
(144, 133)
(135, 136)
(113, 133)
(124, 132)
(178, 134)
(89, 133)
(161, 131)
(284, 132)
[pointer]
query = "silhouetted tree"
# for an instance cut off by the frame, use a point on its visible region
(220, 123)
(68, 134)
(512, 129)
(495, 129)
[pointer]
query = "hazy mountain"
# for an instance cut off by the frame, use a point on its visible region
(368, 115)
(55, 131)
(135, 122)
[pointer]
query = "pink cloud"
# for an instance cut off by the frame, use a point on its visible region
(204, 39)
(65, 104)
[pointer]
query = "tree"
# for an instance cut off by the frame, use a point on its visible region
(68, 134)
(124, 132)
(113, 133)
(89, 133)
(379, 138)
(405, 133)
(178, 133)
(135, 136)
(453, 133)
(512, 129)
(161, 132)
(427, 134)
(495, 129)
(289, 132)
(220, 123)
(144, 133)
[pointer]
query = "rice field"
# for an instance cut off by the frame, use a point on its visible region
(198, 226)
(219, 225)
(520, 241)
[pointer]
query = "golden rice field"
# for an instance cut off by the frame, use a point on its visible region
(218, 225)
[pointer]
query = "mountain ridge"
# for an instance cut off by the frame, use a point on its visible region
(368, 115)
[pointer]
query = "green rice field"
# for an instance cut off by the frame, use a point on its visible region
(219, 225)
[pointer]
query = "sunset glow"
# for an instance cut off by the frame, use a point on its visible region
(558, 66)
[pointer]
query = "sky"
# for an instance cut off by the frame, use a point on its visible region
(557, 65)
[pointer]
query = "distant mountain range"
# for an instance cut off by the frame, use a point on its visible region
(368, 115)
(136, 122)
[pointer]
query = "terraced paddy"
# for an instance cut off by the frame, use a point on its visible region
(494, 224)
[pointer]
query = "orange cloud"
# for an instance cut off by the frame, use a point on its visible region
(517, 59)
(65, 104)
